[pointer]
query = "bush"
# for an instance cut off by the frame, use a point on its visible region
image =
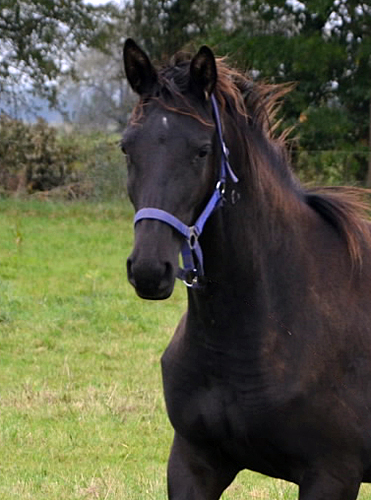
(31, 158)
(327, 153)
(37, 158)
(99, 165)
(330, 167)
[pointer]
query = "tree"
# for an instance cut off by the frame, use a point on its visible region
(163, 27)
(101, 96)
(98, 93)
(39, 40)
(160, 26)
(324, 46)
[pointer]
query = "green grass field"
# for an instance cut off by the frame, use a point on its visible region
(81, 407)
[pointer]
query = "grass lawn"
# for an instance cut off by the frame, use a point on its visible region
(81, 407)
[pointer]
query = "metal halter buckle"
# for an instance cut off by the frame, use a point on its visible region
(193, 237)
(220, 186)
(190, 278)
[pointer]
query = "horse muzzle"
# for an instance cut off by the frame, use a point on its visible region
(153, 264)
(153, 280)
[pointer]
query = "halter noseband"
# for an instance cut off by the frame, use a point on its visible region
(191, 250)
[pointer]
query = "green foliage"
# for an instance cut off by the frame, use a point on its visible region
(99, 164)
(35, 157)
(325, 128)
(318, 157)
(31, 157)
(323, 46)
(329, 167)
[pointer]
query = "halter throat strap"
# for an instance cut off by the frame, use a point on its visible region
(193, 267)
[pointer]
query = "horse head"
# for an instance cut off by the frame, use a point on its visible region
(172, 152)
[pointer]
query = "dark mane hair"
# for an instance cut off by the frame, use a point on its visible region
(253, 107)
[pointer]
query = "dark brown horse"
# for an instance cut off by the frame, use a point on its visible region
(270, 367)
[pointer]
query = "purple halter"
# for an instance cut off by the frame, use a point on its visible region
(191, 250)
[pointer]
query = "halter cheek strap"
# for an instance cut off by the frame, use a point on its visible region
(193, 267)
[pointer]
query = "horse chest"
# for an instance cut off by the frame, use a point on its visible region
(210, 393)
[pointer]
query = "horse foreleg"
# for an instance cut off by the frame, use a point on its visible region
(325, 485)
(197, 473)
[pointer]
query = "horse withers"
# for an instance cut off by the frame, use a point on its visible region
(270, 367)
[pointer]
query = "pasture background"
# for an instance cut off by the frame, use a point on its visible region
(81, 408)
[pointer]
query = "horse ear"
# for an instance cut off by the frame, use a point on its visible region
(140, 73)
(203, 71)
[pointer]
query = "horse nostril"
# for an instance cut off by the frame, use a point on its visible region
(168, 272)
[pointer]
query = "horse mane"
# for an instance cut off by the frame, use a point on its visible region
(346, 210)
(259, 102)
(254, 106)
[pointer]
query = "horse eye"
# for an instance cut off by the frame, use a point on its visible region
(204, 151)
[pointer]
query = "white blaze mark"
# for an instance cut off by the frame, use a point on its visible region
(164, 122)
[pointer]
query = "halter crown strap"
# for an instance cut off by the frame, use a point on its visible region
(191, 250)
(225, 166)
